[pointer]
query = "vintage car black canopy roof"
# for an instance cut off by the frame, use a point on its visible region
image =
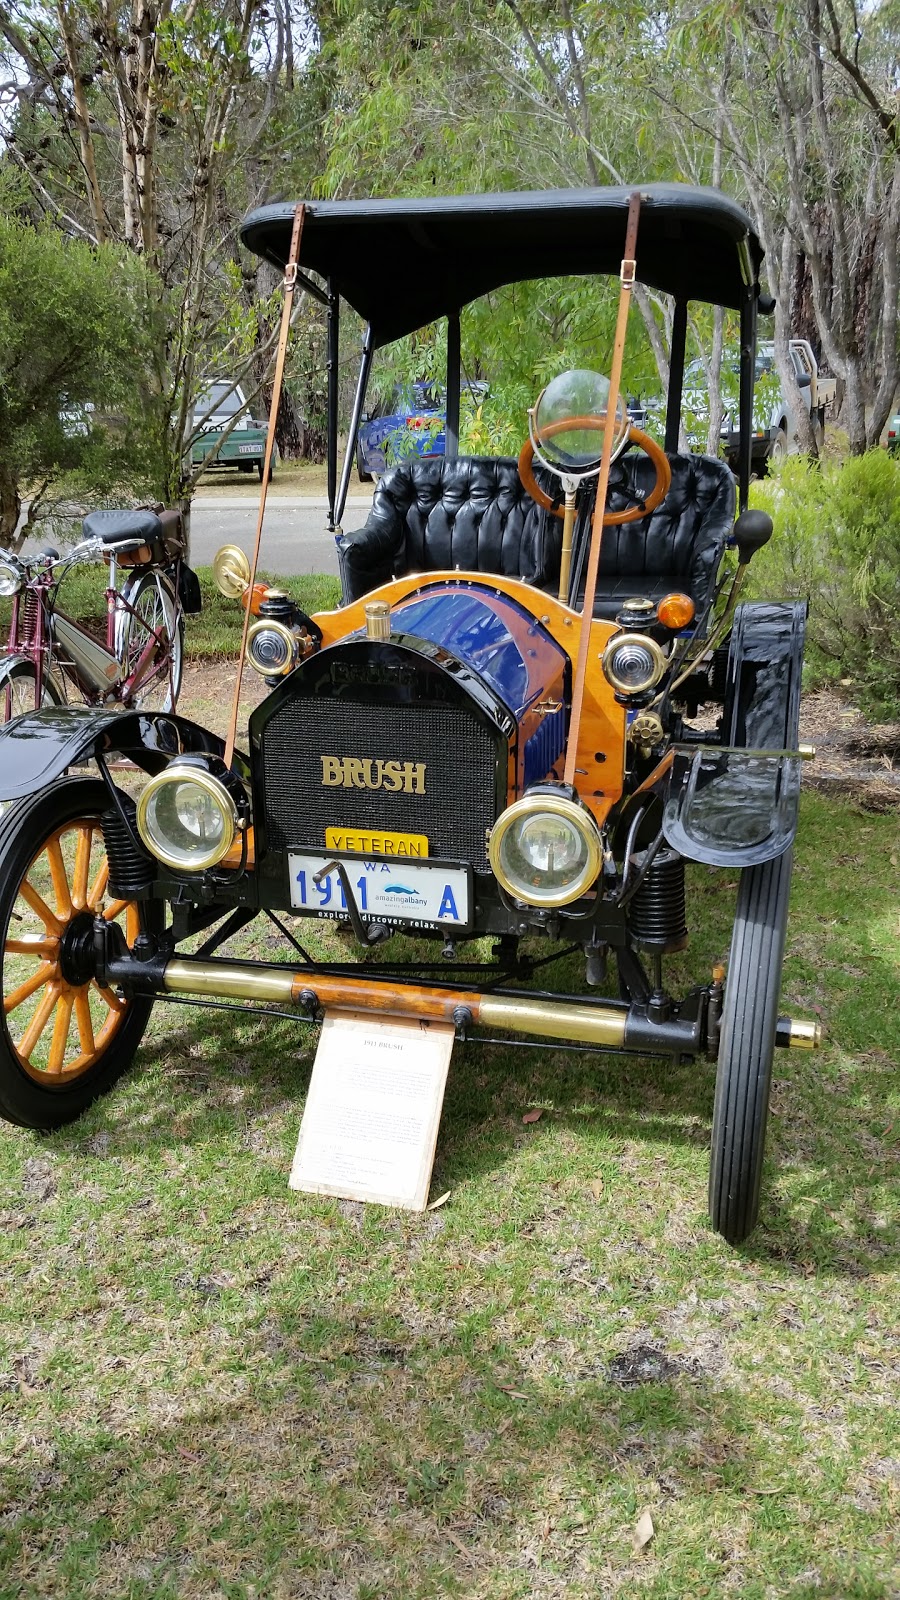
(402, 263)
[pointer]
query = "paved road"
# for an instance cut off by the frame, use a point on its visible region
(295, 536)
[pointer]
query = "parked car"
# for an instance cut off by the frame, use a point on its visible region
(485, 747)
(773, 428)
(413, 425)
(893, 434)
(244, 447)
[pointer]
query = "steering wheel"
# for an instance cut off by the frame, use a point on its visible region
(598, 423)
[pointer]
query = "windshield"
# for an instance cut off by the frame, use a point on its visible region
(219, 397)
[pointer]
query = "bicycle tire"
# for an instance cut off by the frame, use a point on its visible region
(159, 692)
(18, 674)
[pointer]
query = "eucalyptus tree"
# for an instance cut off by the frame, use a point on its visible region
(148, 123)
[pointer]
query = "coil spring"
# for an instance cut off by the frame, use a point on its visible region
(657, 912)
(718, 674)
(131, 869)
(28, 607)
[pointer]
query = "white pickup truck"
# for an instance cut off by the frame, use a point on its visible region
(773, 432)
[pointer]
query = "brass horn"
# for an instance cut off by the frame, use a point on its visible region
(231, 570)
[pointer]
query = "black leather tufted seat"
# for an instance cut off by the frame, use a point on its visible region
(474, 515)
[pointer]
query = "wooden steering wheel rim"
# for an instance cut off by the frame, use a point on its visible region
(635, 436)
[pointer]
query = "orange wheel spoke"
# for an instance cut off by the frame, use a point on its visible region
(82, 866)
(38, 1022)
(57, 1057)
(60, 879)
(36, 981)
(98, 887)
(31, 944)
(112, 1000)
(85, 1022)
(116, 908)
(40, 907)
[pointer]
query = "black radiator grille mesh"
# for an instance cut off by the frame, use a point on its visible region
(460, 755)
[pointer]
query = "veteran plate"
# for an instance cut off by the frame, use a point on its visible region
(414, 894)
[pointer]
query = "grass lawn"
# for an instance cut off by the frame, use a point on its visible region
(213, 1387)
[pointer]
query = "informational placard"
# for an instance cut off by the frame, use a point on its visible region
(370, 1125)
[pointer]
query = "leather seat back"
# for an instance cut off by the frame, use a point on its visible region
(473, 514)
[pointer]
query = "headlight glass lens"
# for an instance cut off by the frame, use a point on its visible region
(633, 663)
(187, 819)
(545, 850)
(271, 648)
(11, 579)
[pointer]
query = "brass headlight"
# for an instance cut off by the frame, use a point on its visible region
(272, 648)
(186, 817)
(633, 662)
(545, 850)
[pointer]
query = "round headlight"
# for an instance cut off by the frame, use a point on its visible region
(545, 850)
(187, 818)
(11, 578)
(271, 648)
(633, 662)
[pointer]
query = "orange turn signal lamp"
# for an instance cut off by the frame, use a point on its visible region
(676, 611)
(252, 599)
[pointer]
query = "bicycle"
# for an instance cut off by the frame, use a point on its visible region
(140, 664)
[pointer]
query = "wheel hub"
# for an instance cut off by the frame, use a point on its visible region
(77, 961)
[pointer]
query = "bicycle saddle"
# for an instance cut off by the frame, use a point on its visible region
(114, 526)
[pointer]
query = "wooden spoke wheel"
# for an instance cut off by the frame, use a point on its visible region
(65, 1037)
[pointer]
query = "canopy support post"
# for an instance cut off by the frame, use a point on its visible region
(334, 308)
(748, 375)
(676, 377)
(362, 383)
(451, 431)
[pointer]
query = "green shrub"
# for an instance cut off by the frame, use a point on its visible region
(837, 544)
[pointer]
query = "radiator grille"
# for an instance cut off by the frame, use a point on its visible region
(460, 756)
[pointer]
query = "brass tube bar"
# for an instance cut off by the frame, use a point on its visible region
(546, 1018)
(565, 560)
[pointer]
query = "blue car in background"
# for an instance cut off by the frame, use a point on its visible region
(413, 425)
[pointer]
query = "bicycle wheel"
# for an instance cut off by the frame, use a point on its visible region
(154, 610)
(18, 688)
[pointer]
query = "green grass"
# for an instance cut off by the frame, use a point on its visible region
(211, 1386)
(214, 632)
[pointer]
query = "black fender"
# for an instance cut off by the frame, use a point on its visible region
(730, 807)
(38, 747)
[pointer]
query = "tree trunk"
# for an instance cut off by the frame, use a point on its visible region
(10, 507)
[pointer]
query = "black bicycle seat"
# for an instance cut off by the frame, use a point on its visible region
(114, 526)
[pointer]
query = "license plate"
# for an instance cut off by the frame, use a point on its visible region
(414, 894)
(376, 844)
(249, 450)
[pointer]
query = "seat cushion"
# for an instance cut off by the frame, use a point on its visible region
(114, 527)
(474, 515)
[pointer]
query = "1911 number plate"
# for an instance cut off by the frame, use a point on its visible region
(416, 894)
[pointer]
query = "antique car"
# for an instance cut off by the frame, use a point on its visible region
(492, 745)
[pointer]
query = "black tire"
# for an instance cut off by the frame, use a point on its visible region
(18, 675)
(779, 450)
(31, 1094)
(361, 473)
(260, 469)
(152, 595)
(245, 466)
(747, 1046)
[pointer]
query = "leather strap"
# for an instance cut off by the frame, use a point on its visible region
(290, 282)
(593, 561)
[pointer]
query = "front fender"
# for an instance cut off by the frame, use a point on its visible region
(730, 807)
(38, 747)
